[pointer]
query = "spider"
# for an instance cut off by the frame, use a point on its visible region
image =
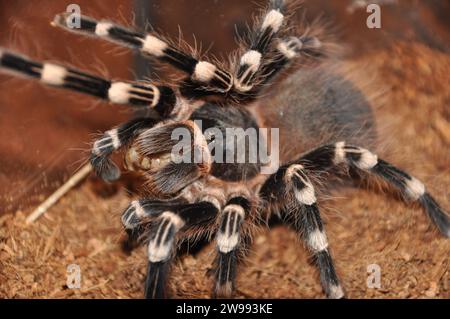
(326, 127)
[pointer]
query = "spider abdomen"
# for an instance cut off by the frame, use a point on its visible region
(316, 106)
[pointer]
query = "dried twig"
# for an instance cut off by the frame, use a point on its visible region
(60, 192)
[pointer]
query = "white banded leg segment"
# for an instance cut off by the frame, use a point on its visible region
(317, 241)
(228, 241)
(111, 141)
(292, 47)
(215, 79)
(161, 98)
(201, 72)
(329, 156)
(204, 71)
(171, 218)
(108, 143)
(273, 20)
(119, 92)
(414, 190)
(249, 66)
(54, 74)
(160, 246)
(213, 200)
(302, 186)
(134, 214)
(140, 213)
(148, 44)
(409, 186)
(291, 183)
(102, 29)
(100, 153)
(137, 93)
(357, 156)
(308, 224)
(228, 236)
(287, 50)
(251, 61)
(154, 46)
(364, 160)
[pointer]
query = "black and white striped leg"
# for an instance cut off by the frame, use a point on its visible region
(288, 50)
(166, 220)
(201, 72)
(111, 141)
(160, 246)
(229, 243)
(411, 188)
(260, 40)
(160, 98)
(300, 209)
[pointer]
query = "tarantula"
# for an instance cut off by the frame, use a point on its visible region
(313, 106)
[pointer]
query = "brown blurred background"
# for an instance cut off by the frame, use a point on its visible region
(46, 133)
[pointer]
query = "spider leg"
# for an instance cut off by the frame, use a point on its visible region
(292, 184)
(261, 38)
(111, 141)
(288, 50)
(160, 98)
(166, 221)
(229, 244)
(262, 62)
(202, 73)
(330, 156)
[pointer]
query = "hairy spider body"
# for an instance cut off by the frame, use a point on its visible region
(326, 126)
(214, 116)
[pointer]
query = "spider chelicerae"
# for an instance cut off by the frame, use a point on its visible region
(263, 85)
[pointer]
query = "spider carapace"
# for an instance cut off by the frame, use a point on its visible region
(325, 126)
